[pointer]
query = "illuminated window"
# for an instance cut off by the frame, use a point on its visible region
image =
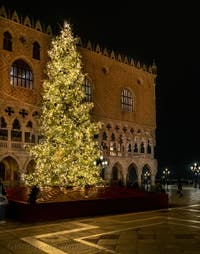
(36, 51)
(7, 41)
(88, 90)
(126, 100)
(21, 75)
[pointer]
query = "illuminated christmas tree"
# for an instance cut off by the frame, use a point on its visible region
(67, 151)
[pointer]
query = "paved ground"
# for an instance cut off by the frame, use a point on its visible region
(174, 230)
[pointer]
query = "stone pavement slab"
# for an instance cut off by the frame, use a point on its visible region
(175, 230)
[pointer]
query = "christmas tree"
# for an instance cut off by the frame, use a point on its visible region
(67, 151)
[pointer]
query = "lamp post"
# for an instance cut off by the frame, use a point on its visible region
(103, 163)
(166, 174)
(196, 171)
(146, 179)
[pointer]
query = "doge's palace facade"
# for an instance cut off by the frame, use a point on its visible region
(123, 92)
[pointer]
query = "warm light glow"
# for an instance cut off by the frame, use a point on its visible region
(67, 154)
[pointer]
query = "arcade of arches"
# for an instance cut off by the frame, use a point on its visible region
(10, 172)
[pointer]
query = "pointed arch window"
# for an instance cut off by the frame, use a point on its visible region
(21, 75)
(135, 148)
(149, 147)
(104, 136)
(7, 41)
(36, 50)
(29, 136)
(3, 129)
(142, 147)
(126, 100)
(16, 134)
(88, 90)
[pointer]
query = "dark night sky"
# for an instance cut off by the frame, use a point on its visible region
(164, 32)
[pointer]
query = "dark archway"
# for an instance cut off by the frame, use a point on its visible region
(117, 176)
(10, 172)
(132, 178)
(2, 171)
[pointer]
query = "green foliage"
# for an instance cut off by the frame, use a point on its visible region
(66, 154)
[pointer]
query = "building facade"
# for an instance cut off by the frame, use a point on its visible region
(123, 92)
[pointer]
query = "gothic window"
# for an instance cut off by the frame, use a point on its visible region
(3, 123)
(36, 50)
(149, 147)
(29, 124)
(21, 75)
(142, 147)
(113, 137)
(120, 139)
(104, 136)
(88, 90)
(135, 148)
(126, 100)
(16, 125)
(129, 148)
(104, 146)
(3, 130)
(29, 138)
(16, 134)
(7, 41)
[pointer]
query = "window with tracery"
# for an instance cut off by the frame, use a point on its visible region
(21, 75)
(126, 100)
(7, 41)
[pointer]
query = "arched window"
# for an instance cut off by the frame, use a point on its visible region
(16, 134)
(104, 136)
(36, 50)
(149, 147)
(21, 75)
(126, 100)
(88, 90)
(29, 136)
(135, 148)
(112, 137)
(3, 123)
(142, 147)
(7, 41)
(3, 129)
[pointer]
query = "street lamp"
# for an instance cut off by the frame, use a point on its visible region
(196, 170)
(146, 179)
(103, 163)
(166, 174)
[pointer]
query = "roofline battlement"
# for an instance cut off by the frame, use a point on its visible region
(7, 14)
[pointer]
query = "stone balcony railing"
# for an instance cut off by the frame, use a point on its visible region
(19, 146)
